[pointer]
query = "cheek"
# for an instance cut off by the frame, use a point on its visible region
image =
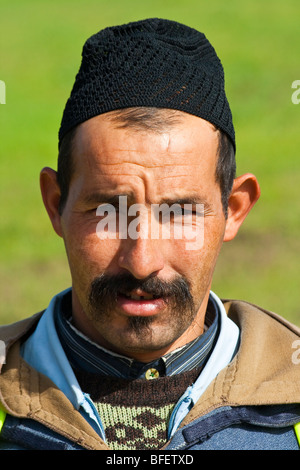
(88, 255)
(197, 264)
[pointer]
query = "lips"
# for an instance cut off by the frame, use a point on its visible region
(137, 294)
(139, 297)
(140, 303)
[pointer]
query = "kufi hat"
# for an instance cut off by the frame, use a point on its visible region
(154, 63)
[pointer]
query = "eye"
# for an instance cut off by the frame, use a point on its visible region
(178, 211)
(105, 209)
(188, 210)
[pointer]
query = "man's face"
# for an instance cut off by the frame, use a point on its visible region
(159, 288)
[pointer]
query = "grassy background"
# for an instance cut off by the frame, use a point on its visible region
(258, 42)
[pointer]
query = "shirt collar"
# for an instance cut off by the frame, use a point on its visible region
(86, 355)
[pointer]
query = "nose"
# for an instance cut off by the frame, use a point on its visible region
(141, 257)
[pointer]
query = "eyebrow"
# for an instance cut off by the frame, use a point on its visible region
(98, 197)
(186, 200)
(192, 200)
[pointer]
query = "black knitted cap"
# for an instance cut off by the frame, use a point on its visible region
(153, 63)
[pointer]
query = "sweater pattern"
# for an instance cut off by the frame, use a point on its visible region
(135, 413)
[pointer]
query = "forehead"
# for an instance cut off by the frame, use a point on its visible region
(175, 155)
(180, 129)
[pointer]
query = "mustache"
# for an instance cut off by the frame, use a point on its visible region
(106, 288)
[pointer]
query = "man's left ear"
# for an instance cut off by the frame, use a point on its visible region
(245, 192)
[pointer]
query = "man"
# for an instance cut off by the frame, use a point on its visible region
(139, 353)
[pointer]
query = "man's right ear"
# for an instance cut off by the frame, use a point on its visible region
(51, 197)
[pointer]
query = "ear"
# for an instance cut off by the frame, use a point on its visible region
(245, 192)
(51, 197)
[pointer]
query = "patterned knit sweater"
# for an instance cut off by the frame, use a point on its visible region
(135, 413)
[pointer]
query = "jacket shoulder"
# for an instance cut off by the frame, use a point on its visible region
(12, 332)
(238, 309)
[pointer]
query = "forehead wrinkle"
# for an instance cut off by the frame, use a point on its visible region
(131, 175)
(143, 171)
(143, 156)
(159, 173)
(118, 168)
(144, 165)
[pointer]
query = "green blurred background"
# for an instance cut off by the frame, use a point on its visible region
(258, 42)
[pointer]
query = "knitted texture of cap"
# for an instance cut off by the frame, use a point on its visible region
(153, 63)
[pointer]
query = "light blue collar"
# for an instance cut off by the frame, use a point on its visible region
(43, 351)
